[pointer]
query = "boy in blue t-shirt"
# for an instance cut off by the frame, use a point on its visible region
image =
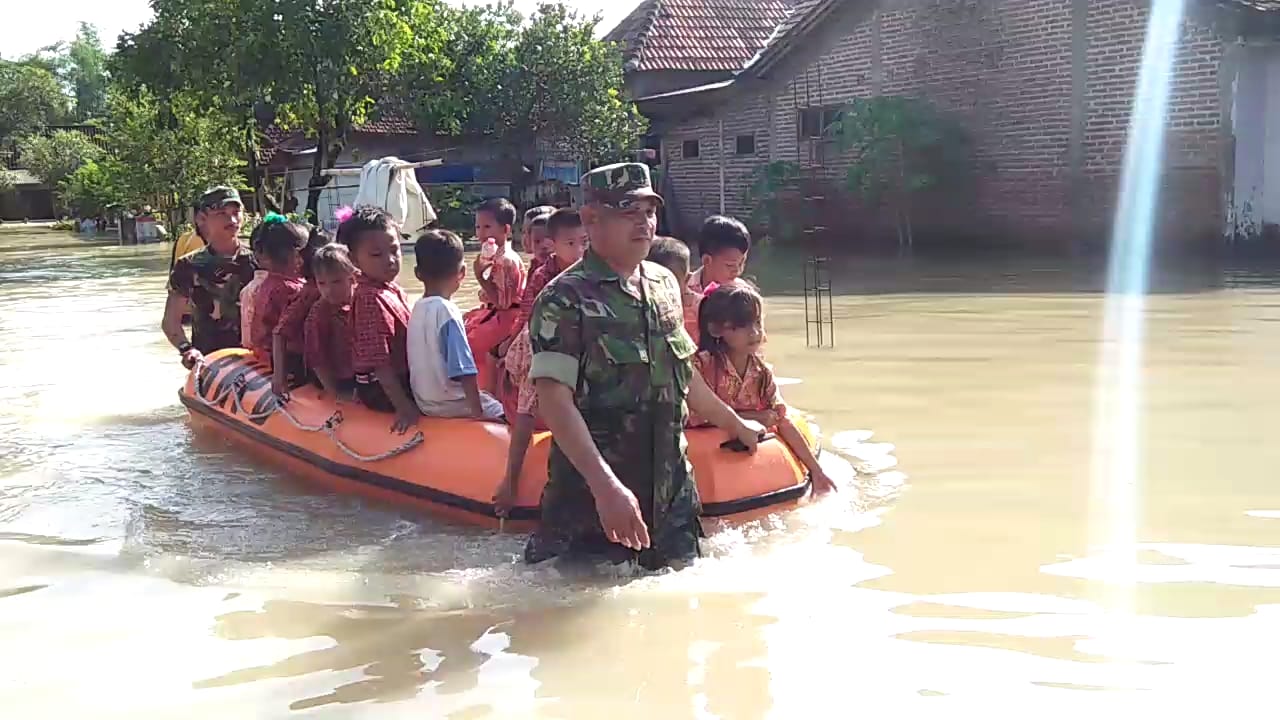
(442, 370)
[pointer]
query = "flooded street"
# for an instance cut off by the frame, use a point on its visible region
(147, 572)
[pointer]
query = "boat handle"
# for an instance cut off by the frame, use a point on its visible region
(736, 445)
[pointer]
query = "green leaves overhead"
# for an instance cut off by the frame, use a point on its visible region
(30, 98)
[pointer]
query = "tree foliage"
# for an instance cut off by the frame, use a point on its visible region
(30, 98)
(767, 193)
(303, 64)
(566, 88)
(167, 154)
(6, 181)
(458, 62)
(80, 69)
(324, 68)
(87, 73)
(542, 82)
(90, 190)
(51, 158)
(902, 146)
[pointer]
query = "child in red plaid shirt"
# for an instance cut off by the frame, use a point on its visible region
(672, 254)
(501, 279)
(731, 324)
(282, 243)
(533, 243)
(286, 339)
(570, 243)
(380, 316)
(328, 329)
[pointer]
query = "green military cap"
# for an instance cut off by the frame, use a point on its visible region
(217, 197)
(619, 186)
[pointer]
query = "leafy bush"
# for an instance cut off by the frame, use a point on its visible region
(455, 207)
(90, 190)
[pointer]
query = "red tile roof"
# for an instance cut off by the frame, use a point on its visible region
(804, 16)
(294, 141)
(697, 35)
(388, 124)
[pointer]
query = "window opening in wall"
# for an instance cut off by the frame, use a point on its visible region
(654, 143)
(746, 145)
(690, 149)
(815, 121)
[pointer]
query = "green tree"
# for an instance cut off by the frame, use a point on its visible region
(215, 58)
(902, 146)
(340, 55)
(6, 181)
(52, 158)
(455, 67)
(524, 86)
(166, 155)
(565, 88)
(90, 190)
(30, 98)
(87, 73)
(307, 65)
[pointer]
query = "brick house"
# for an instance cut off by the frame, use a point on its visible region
(1044, 88)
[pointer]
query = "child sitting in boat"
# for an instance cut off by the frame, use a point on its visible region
(282, 243)
(442, 370)
(730, 322)
(673, 254)
(327, 329)
(251, 288)
(569, 242)
(540, 241)
(379, 316)
(526, 242)
(500, 272)
(288, 344)
(723, 244)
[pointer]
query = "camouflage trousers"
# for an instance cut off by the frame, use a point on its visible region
(650, 460)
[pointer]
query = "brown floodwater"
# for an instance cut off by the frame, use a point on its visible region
(976, 563)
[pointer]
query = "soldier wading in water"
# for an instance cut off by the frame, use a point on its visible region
(613, 371)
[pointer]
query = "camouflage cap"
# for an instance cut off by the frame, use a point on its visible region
(217, 197)
(619, 186)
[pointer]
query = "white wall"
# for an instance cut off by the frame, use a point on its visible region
(1271, 145)
(1257, 134)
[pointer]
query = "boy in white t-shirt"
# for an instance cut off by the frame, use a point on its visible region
(442, 370)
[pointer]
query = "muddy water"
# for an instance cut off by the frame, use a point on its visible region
(147, 572)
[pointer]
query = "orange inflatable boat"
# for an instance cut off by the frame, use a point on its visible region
(450, 466)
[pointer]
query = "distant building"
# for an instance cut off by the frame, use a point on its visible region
(1045, 88)
(31, 198)
(540, 173)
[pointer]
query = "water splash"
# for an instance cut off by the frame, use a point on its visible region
(1116, 467)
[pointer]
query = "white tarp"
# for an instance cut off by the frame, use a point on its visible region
(388, 184)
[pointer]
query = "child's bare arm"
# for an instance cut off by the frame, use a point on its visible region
(471, 390)
(509, 489)
(792, 436)
(767, 418)
(279, 365)
(486, 281)
(406, 409)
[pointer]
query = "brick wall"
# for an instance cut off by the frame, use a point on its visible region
(1004, 67)
(1191, 187)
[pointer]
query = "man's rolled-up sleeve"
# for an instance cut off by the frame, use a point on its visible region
(555, 335)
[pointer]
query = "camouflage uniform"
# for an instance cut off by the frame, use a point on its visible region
(212, 283)
(627, 357)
